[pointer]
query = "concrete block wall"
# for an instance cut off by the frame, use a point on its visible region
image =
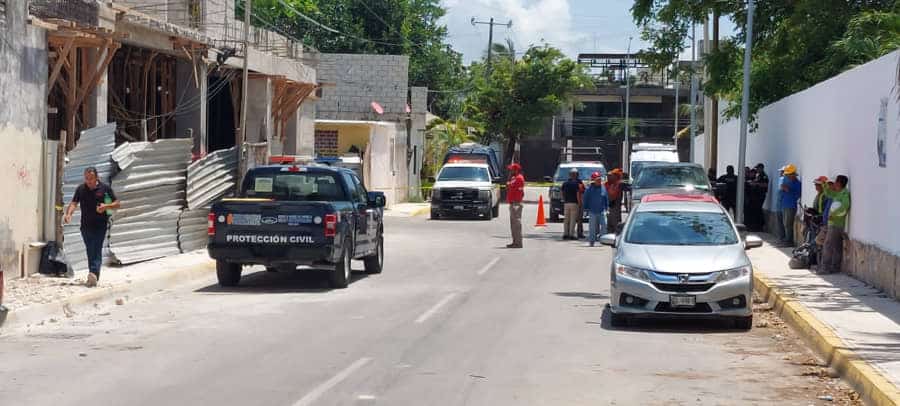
(361, 79)
(23, 117)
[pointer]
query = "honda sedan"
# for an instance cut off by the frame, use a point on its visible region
(681, 256)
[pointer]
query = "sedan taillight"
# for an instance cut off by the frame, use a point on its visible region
(330, 225)
(211, 224)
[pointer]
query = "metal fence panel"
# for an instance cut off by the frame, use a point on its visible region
(192, 229)
(151, 187)
(211, 177)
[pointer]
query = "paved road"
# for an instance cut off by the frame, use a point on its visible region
(454, 320)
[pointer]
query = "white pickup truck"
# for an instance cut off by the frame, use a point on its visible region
(465, 189)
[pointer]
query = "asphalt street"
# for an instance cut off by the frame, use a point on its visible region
(455, 319)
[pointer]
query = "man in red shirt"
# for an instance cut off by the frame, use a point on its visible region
(614, 190)
(515, 192)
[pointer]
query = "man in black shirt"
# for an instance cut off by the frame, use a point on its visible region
(95, 199)
(571, 193)
(730, 196)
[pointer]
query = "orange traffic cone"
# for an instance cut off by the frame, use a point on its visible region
(541, 220)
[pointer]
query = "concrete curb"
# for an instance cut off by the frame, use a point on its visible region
(141, 287)
(872, 386)
(419, 212)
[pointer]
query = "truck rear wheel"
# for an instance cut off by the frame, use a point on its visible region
(229, 274)
(374, 263)
(339, 277)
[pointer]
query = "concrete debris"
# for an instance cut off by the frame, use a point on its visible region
(120, 301)
(827, 398)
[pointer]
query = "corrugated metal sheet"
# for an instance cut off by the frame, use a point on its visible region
(151, 187)
(94, 148)
(211, 177)
(192, 229)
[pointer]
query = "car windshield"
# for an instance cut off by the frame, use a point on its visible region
(680, 228)
(671, 176)
(584, 172)
(468, 173)
(295, 186)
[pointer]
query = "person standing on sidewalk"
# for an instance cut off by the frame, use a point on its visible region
(614, 192)
(579, 223)
(833, 251)
(596, 201)
(95, 199)
(515, 193)
(730, 197)
(791, 189)
(571, 193)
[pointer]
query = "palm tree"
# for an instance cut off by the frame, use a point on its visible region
(442, 134)
(617, 127)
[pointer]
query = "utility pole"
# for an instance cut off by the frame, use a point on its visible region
(490, 23)
(242, 162)
(626, 147)
(745, 113)
(677, 86)
(714, 123)
(693, 89)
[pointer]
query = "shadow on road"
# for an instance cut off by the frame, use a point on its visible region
(671, 325)
(584, 295)
(263, 282)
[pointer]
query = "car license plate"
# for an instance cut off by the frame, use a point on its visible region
(459, 207)
(682, 301)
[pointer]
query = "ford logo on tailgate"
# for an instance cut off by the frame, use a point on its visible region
(269, 220)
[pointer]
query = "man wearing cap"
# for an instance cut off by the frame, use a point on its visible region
(614, 191)
(571, 194)
(515, 192)
(595, 201)
(760, 188)
(838, 209)
(790, 196)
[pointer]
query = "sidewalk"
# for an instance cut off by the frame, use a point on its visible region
(408, 209)
(38, 297)
(854, 327)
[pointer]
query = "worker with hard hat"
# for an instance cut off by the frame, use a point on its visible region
(789, 198)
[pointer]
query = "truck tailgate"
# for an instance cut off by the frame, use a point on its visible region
(270, 223)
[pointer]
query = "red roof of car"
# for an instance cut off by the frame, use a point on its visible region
(673, 197)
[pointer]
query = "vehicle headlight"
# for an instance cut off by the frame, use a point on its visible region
(435, 195)
(484, 195)
(731, 274)
(633, 273)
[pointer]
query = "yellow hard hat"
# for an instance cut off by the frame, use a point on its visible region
(789, 169)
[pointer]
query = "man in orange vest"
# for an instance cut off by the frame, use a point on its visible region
(614, 190)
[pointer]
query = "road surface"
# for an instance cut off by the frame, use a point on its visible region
(455, 319)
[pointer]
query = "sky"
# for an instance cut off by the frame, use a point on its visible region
(575, 26)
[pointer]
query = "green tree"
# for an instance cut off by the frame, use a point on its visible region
(518, 96)
(617, 127)
(398, 27)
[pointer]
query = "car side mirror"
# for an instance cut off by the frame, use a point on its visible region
(752, 241)
(548, 179)
(608, 240)
(431, 179)
(376, 199)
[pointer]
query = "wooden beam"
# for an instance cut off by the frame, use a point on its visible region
(37, 22)
(147, 64)
(60, 60)
(71, 109)
(88, 85)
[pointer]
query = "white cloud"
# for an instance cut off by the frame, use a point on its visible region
(534, 22)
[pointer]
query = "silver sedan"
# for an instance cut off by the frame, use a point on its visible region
(681, 256)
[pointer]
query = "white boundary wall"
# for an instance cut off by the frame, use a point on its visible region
(832, 128)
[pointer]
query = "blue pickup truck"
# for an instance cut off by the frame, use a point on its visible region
(287, 217)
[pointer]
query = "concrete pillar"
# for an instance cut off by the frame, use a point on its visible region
(306, 128)
(192, 121)
(259, 110)
(292, 134)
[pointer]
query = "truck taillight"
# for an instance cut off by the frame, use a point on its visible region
(211, 224)
(330, 225)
